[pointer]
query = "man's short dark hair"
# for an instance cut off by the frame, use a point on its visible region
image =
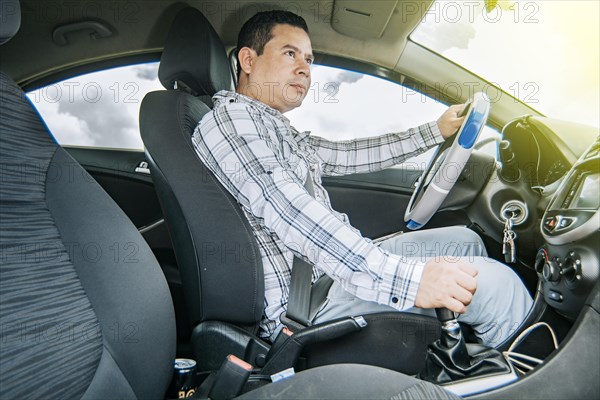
(257, 31)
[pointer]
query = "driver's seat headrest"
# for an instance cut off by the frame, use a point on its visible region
(10, 15)
(194, 59)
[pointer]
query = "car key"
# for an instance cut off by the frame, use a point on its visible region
(508, 242)
(507, 227)
(510, 257)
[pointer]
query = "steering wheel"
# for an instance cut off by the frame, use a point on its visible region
(447, 163)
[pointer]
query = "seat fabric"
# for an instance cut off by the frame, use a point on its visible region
(84, 308)
(37, 271)
(350, 381)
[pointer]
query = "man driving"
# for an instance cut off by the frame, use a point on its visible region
(274, 172)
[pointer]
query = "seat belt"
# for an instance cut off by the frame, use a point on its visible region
(300, 292)
(305, 299)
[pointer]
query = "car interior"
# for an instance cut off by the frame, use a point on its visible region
(115, 263)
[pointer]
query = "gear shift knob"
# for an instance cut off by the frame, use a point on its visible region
(444, 315)
(451, 333)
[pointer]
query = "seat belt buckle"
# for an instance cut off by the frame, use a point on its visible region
(361, 321)
(292, 324)
(230, 379)
(281, 338)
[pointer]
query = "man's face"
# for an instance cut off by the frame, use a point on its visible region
(280, 76)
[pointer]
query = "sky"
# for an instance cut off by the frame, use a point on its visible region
(99, 109)
(546, 52)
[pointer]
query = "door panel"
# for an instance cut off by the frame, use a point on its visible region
(375, 212)
(134, 192)
(114, 170)
(375, 202)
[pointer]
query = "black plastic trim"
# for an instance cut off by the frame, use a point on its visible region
(571, 372)
(87, 67)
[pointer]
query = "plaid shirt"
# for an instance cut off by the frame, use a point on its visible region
(263, 162)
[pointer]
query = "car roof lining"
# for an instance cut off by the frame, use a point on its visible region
(32, 53)
(33, 60)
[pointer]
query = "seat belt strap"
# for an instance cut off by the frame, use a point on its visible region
(300, 287)
(299, 302)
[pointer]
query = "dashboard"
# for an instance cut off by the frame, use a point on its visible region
(545, 149)
(556, 159)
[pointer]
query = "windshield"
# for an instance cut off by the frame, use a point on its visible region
(545, 53)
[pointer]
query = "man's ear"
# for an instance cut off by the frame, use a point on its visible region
(246, 58)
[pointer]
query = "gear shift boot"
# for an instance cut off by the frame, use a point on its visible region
(450, 359)
(449, 364)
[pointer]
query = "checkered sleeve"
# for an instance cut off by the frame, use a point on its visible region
(241, 151)
(375, 153)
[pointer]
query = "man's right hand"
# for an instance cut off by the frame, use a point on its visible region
(446, 284)
(450, 120)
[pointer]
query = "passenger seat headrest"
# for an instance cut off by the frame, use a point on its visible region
(194, 57)
(10, 19)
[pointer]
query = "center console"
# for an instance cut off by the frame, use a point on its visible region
(568, 264)
(568, 268)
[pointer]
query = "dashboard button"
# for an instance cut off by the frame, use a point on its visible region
(564, 222)
(551, 271)
(556, 296)
(541, 259)
(550, 223)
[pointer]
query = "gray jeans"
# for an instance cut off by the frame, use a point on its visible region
(498, 307)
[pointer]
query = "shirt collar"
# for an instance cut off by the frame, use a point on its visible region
(228, 96)
(225, 96)
(300, 136)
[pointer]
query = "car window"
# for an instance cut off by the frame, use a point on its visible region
(513, 35)
(343, 104)
(99, 109)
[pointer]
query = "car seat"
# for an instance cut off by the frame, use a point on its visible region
(216, 251)
(77, 320)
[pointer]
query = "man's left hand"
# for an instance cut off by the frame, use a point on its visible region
(450, 121)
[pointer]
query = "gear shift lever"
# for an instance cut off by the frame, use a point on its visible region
(443, 315)
(452, 337)
(451, 359)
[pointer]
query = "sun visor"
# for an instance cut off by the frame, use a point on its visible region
(362, 19)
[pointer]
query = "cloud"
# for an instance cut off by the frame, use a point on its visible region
(104, 117)
(332, 84)
(147, 71)
(349, 77)
(98, 109)
(103, 114)
(442, 37)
